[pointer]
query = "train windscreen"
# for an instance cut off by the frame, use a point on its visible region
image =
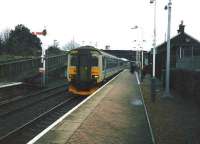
(84, 60)
(74, 60)
(94, 61)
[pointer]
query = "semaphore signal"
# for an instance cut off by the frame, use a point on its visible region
(44, 33)
(43, 57)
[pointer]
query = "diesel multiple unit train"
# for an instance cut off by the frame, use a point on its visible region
(88, 67)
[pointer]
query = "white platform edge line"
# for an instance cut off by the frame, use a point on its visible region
(11, 84)
(146, 111)
(37, 137)
(136, 73)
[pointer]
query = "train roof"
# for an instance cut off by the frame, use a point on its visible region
(95, 49)
(85, 47)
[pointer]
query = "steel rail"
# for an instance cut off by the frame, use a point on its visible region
(27, 96)
(32, 103)
(15, 131)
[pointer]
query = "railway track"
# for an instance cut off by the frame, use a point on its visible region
(13, 90)
(21, 102)
(16, 112)
(27, 131)
(26, 116)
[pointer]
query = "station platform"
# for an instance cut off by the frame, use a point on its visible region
(115, 114)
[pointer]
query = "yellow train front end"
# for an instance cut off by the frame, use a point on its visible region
(84, 71)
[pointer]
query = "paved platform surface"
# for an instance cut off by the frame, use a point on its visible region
(113, 115)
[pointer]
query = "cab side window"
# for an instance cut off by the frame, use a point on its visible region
(103, 63)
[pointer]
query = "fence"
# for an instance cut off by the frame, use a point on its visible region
(17, 70)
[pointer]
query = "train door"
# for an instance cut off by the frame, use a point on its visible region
(84, 71)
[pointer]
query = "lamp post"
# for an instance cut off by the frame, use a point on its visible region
(140, 45)
(137, 56)
(154, 41)
(167, 78)
(142, 53)
(153, 80)
(83, 42)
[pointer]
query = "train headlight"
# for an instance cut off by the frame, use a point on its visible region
(71, 76)
(95, 76)
(95, 71)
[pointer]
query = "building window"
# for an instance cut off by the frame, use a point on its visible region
(188, 52)
(196, 52)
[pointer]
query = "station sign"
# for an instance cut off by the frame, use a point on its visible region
(41, 70)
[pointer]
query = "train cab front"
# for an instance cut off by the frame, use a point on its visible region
(83, 71)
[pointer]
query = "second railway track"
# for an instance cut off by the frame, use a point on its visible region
(20, 102)
(28, 130)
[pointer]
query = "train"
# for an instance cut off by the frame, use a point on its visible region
(88, 67)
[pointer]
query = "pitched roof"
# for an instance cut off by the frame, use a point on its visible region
(179, 39)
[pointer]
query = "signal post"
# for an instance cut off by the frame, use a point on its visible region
(43, 57)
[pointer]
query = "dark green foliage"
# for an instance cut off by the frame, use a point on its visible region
(3, 40)
(22, 42)
(1, 46)
(54, 50)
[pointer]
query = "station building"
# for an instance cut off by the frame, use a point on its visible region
(184, 53)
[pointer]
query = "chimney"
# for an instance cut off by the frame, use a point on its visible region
(181, 28)
(107, 47)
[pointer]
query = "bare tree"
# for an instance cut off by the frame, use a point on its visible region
(5, 35)
(4, 38)
(70, 45)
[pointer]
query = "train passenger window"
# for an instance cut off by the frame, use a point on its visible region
(74, 60)
(109, 63)
(94, 61)
(104, 63)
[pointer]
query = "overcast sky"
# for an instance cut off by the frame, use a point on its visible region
(107, 22)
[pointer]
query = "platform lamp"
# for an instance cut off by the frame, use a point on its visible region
(137, 52)
(167, 77)
(154, 39)
(140, 44)
(153, 79)
(142, 53)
